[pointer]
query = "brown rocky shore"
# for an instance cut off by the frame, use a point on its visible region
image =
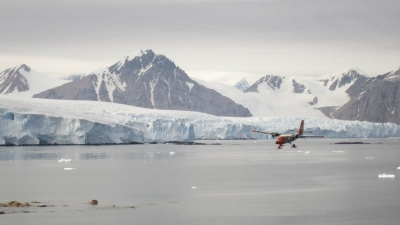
(39, 204)
(14, 204)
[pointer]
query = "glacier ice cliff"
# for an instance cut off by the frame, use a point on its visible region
(46, 122)
(32, 129)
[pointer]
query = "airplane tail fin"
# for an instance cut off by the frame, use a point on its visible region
(301, 129)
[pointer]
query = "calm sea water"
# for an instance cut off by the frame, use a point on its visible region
(237, 182)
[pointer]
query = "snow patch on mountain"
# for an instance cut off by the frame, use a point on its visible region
(190, 85)
(109, 80)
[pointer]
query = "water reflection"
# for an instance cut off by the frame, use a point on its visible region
(82, 153)
(130, 155)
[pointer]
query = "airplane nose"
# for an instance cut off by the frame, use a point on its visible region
(278, 142)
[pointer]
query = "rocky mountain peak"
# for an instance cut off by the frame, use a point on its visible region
(138, 60)
(147, 80)
(340, 79)
(25, 67)
(269, 81)
(12, 80)
(22, 81)
(242, 84)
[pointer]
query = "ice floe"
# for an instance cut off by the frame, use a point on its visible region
(384, 175)
(69, 168)
(65, 160)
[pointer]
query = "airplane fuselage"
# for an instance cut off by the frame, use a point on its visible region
(286, 138)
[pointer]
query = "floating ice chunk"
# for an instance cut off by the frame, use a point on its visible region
(338, 151)
(384, 175)
(300, 151)
(194, 187)
(307, 152)
(172, 153)
(65, 160)
(398, 168)
(369, 158)
(69, 168)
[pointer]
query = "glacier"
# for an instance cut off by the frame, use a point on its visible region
(48, 122)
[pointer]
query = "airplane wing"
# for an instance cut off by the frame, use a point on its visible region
(311, 136)
(273, 134)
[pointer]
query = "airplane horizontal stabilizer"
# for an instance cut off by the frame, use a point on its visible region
(273, 134)
(311, 136)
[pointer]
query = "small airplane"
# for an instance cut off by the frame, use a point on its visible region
(289, 138)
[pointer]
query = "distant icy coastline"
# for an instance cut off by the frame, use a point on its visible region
(46, 122)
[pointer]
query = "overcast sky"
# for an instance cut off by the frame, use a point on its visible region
(280, 37)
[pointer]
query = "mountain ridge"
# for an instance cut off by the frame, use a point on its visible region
(150, 80)
(147, 80)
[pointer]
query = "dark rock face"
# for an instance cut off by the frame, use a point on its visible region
(377, 100)
(274, 82)
(358, 86)
(314, 101)
(150, 81)
(12, 80)
(299, 88)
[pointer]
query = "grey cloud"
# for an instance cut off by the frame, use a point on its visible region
(48, 26)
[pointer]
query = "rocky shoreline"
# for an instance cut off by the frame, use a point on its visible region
(16, 204)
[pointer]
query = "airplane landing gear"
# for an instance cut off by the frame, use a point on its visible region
(294, 146)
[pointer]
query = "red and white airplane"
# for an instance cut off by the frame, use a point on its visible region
(289, 138)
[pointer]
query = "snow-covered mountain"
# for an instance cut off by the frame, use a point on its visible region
(24, 82)
(44, 121)
(343, 79)
(271, 105)
(375, 100)
(148, 80)
(298, 95)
